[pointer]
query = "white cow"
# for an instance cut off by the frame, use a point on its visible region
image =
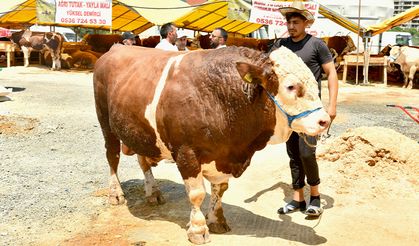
(408, 59)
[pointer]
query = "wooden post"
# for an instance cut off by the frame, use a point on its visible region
(385, 71)
(8, 57)
(345, 69)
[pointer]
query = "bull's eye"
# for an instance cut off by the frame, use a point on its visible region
(291, 87)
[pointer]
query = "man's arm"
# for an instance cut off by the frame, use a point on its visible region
(332, 81)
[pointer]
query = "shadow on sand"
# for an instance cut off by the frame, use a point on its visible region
(242, 221)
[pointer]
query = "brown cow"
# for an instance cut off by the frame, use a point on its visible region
(41, 41)
(339, 46)
(101, 42)
(150, 42)
(206, 119)
(253, 43)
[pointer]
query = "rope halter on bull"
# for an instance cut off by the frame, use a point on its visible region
(291, 118)
(393, 58)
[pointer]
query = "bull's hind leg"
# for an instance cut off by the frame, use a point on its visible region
(152, 191)
(215, 217)
(112, 144)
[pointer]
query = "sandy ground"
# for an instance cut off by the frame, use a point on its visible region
(54, 176)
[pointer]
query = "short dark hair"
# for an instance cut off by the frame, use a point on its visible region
(290, 15)
(165, 29)
(224, 33)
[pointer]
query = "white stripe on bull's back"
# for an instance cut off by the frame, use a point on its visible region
(150, 112)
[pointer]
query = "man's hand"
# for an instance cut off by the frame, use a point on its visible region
(332, 112)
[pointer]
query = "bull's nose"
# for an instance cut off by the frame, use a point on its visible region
(324, 122)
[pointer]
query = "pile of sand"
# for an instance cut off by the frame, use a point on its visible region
(374, 146)
(371, 157)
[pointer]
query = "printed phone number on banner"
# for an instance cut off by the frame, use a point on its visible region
(265, 21)
(83, 21)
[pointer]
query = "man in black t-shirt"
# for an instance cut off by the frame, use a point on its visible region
(316, 56)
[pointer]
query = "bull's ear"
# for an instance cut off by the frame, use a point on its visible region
(250, 73)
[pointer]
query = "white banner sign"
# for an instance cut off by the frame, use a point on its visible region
(266, 12)
(76, 12)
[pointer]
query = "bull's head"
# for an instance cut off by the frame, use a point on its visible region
(297, 96)
(395, 52)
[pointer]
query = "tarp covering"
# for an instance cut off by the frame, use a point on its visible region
(211, 15)
(159, 12)
(137, 16)
(398, 19)
(340, 20)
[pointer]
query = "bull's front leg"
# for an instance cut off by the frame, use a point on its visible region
(198, 232)
(191, 172)
(26, 55)
(56, 61)
(215, 217)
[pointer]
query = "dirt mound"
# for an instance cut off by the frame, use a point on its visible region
(374, 146)
(372, 157)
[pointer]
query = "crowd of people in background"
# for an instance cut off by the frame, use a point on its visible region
(174, 39)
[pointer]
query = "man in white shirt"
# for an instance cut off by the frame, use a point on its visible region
(182, 40)
(218, 38)
(168, 33)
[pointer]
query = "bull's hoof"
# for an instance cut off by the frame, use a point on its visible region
(199, 237)
(116, 199)
(156, 199)
(219, 228)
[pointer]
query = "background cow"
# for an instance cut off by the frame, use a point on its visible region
(208, 110)
(339, 46)
(408, 59)
(41, 41)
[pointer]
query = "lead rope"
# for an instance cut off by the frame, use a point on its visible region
(304, 137)
(319, 137)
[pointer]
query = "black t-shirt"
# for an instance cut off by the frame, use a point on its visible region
(313, 51)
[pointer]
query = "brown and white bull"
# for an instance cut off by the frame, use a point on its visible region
(41, 41)
(408, 59)
(208, 110)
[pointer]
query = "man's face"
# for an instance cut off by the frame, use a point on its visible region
(172, 35)
(216, 39)
(296, 26)
(129, 41)
(181, 43)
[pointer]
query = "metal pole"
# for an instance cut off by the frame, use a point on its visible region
(357, 42)
(366, 60)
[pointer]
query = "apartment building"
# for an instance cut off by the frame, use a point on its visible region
(403, 5)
